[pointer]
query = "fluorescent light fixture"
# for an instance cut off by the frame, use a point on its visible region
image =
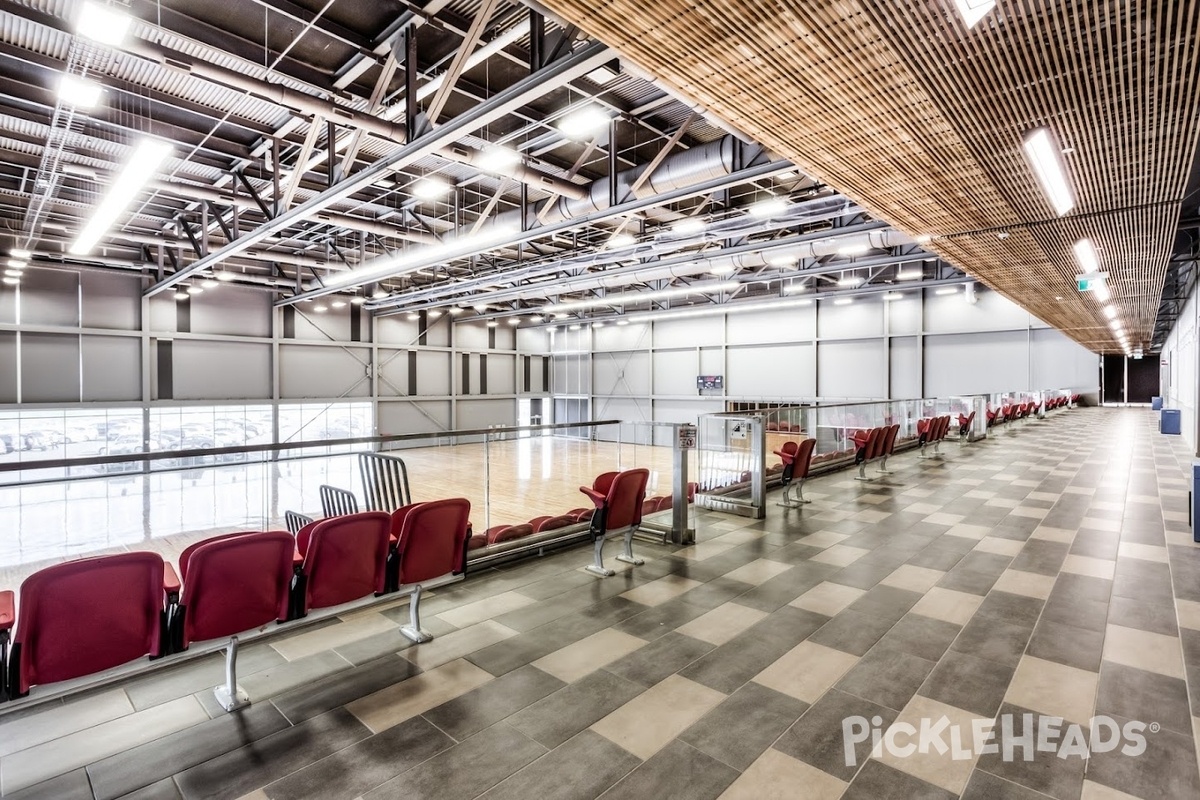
(854, 248)
(974, 10)
(1045, 157)
(13, 273)
(712, 310)
(338, 304)
(893, 295)
(147, 157)
(688, 226)
(22, 254)
(850, 281)
(630, 298)
(320, 309)
(413, 316)
(429, 188)
(782, 260)
(79, 92)
(575, 327)
(1115, 324)
(410, 260)
(498, 159)
(619, 240)
(514, 321)
(771, 207)
(18, 263)
(455, 311)
(597, 324)
(723, 272)
(102, 23)
(1085, 254)
(924, 238)
(561, 316)
(601, 75)
(434, 313)
(1110, 312)
(1102, 293)
(788, 175)
(584, 122)
(358, 300)
(11, 281)
(843, 301)
(209, 283)
(622, 322)
(225, 276)
(795, 288)
(493, 324)
(945, 290)
(909, 275)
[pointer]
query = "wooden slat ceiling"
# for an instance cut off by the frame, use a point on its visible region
(899, 105)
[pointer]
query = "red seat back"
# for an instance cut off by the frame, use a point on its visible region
(431, 539)
(889, 440)
(875, 443)
(803, 458)
(233, 583)
(553, 523)
(509, 532)
(649, 505)
(664, 503)
(346, 558)
(87, 616)
(787, 453)
(623, 505)
(604, 481)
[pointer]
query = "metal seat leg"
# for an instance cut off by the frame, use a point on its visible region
(230, 696)
(598, 567)
(627, 556)
(412, 631)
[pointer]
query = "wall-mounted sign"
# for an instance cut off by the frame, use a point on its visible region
(687, 437)
(710, 382)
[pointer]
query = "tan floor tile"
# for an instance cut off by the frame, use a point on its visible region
(775, 776)
(360, 626)
(942, 518)
(405, 700)
(1049, 497)
(1097, 524)
(948, 605)
(840, 555)
(940, 769)
(979, 494)
(1002, 502)
(1053, 534)
(968, 531)
(1002, 547)
(1107, 505)
(572, 662)
(703, 550)
(1175, 516)
(645, 724)
(874, 499)
(806, 671)
(1152, 652)
(660, 590)
(44, 761)
(1145, 552)
(831, 515)
(822, 539)
(871, 516)
(257, 794)
(740, 536)
(1026, 583)
(1054, 689)
(827, 598)
(923, 508)
(1079, 490)
(722, 623)
(1032, 513)
(759, 571)
(1098, 791)
(51, 722)
(1189, 614)
(1086, 565)
(915, 579)
(488, 608)
(450, 646)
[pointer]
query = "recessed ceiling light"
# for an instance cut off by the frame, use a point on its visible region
(480, 307)
(843, 301)
(584, 122)
(945, 290)
(225, 276)
(514, 321)
(771, 207)
(79, 92)
(622, 322)
(493, 324)
(11, 281)
(429, 188)
(195, 290)
(19, 253)
(597, 324)
(1085, 254)
(1102, 293)
(1110, 312)
(320, 309)
(413, 316)
(181, 295)
(601, 75)
(498, 158)
(1045, 156)
(209, 283)
(575, 327)
(893, 295)
(338, 304)
(13, 273)
(850, 281)
(434, 313)
(102, 23)
(18, 263)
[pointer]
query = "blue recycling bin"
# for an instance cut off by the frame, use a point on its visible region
(1156, 403)
(1168, 421)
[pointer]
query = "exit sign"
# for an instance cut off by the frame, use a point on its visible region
(1089, 282)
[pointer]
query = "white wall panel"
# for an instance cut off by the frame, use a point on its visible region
(904, 315)
(992, 312)
(712, 361)
(163, 314)
(621, 373)
(533, 340)
(675, 371)
(1059, 362)
(905, 360)
(976, 363)
(571, 374)
(49, 368)
(311, 325)
(852, 368)
(393, 373)
(234, 312)
(787, 370)
(859, 320)
(112, 368)
(220, 370)
(306, 371)
(623, 337)
(470, 336)
(402, 416)
(624, 408)
(433, 373)
(795, 324)
(689, 332)
(111, 301)
(501, 378)
(482, 413)
(396, 329)
(685, 410)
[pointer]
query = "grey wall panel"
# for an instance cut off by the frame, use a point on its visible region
(689, 332)
(976, 363)
(112, 368)
(1059, 362)
(8, 304)
(482, 413)
(858, 320)
(50, 297)
(992, 312)
(634, 336)
(621, 373)
(780, 371)
(306, 371)
(402, 416)
(221, 370)
(675, 371)
(8, 367)
(534, 340)
(624, 408)
(396, 329)
(439, 330)
(163, 317)
(506, 337)
(796, 324)
(685, 410)
(905, 360)
(232, 311)
(393, 373)
(904, 315)
(571, 374)
(501, 375)
(332, 324)
(111, 301)
(433, 373)
(852, 369)
(471, 336)
(49, 368)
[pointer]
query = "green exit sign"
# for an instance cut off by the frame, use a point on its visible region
(1087, 283)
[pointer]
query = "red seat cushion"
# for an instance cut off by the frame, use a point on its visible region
(431, 541)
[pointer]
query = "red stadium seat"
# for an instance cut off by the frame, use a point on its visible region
(649, 505)
(87, 616)
(553, 523)
(345, 558)
(431, 540)
(618, 511)
(581, 514)
(231, 584)
(797, 457)
(508, 533)
(964, 425)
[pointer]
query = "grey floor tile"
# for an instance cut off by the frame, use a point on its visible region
(255, 765)
(194, 676)
(1167, 768)
(556, 718)
(1046, 772)
(1041, 557)
(1133, 613)
(160, 790)
(323, 695)
(677, 772)
(920, 636)
(467, 769)
(1014, 609)
(1147, 696)
(1067, 644)
(1147, 581)
(485, 705)
(937, 557)
(661, 619)
(744, 725)
(664, 656)
(71, 785)
(878, 781)
(786, 587)
(992, 640)
(886, 602)
(862, 576)
(968, 683)
(986, 786)
(962, 579)
(580, 769)
(887, 677)
(852, 632)
(364, 765)
(143, 765)
(817, 737)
